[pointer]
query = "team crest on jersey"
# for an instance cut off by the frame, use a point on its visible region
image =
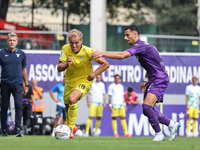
(82, 57)
(17, 55)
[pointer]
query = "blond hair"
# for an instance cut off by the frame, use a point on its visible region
(75, 32)
(194, 77)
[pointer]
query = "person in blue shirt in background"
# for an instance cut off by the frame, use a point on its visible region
(60, 104)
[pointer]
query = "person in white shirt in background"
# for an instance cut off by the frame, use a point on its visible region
(117, 105)
(96, 101)
(192, 93)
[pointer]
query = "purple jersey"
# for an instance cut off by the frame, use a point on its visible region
(149, 59)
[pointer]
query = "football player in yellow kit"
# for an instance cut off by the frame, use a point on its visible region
(76, 59)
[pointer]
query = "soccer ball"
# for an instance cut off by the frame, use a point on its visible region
(62, 132)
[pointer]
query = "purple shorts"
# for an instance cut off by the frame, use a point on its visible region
(157, 87)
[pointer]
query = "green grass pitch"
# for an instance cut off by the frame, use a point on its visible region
(96, 143)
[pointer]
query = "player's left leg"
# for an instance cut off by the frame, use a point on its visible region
(195, 117)
(64, 118)
(122, 113)
(17, 94)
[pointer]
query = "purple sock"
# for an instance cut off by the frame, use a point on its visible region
(162, 119)
(152, 116)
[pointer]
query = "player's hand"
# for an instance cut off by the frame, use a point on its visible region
(96, 54)
(187, 107)
(104, 105)
(129, 102)
(110, 108)
(88, 104)
(125, 108)
(90, 77)
(25, 90)
(143, 86)
(57, 100)
(69, 61)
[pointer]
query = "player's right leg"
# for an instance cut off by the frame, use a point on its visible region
(148, 110)
(5, 92)
(188, 123)
(114, 115)
(99, 113)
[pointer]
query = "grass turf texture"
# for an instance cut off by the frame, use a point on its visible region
(96, 143)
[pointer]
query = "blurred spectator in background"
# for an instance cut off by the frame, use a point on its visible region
(60, 109)
(37, 108)
(131, 97)
(117, 105)
(13, 62)
(38, 96)
(192, 105)
(96, 101)
(27, 101)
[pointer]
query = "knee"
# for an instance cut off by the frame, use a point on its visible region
(72, 100)
(145, 109)
(57, 117)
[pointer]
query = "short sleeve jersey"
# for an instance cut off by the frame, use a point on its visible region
(81, 65)
(60, 88)
(149, 59)
(117, 93)
(96, 92)
(12, 64)
(193, 93)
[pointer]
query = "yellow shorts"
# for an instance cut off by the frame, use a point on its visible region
(193, 112)
(83, 87)
(95, 111)
(118, 112)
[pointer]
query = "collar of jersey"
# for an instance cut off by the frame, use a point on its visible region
(11, 51)
(79, 50)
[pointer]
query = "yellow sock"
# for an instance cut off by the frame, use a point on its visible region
(188, 125)
(97, 125)
(67, 117)
(124, 125)
(72, 113)
(87, 127)
(114, 126)
(194, 125)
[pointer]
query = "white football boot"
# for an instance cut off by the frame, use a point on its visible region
(159, 137)
(173, 131)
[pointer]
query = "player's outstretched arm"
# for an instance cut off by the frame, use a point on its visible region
(113, 55)
(104, 65)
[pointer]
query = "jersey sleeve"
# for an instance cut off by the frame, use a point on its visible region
(187, 90)
(63, 56)
(103, 90)
(136, 49)
(90, 50)
(123, 90)
(24, 61)
(55, 88)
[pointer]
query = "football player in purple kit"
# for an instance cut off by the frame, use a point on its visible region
(154, 83)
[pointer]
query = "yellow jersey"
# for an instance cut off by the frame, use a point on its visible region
(81, 65)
